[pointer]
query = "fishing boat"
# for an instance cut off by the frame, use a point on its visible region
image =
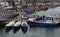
(17, 26)
(24, 26)
(44, 21)
(9, 26)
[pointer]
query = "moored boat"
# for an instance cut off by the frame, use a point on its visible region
(17, 26)
(24, 26)
(43, 22)
(36, 24)
(9, 26)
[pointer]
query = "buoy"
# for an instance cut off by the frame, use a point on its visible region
(17, 26)
(9, 26)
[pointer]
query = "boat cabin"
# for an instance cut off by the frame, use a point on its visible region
(44, 19)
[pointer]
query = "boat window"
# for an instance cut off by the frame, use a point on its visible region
(49, 18)
(52, 19)
(39, 18)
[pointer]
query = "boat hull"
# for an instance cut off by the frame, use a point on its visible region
(16, 28)
(24, 29)
(8, 28)
(36, 24)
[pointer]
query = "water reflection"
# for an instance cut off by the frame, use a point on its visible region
(3, 34)
(49, 32)
(33, 32)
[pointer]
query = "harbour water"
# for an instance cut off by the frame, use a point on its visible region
(33, 32)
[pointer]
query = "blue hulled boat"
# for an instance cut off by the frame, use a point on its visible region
(17, 26)
(9, 26)
(36, 24)
(44, 21)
